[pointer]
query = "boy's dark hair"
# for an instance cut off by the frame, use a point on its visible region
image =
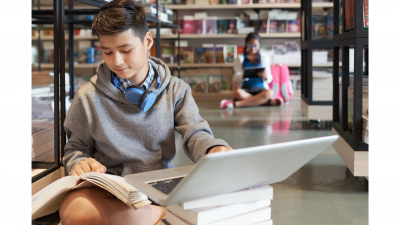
(250, 37)
(118, 16)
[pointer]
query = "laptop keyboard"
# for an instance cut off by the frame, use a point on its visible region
(166, 186)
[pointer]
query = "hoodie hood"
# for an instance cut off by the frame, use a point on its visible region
(102, 80)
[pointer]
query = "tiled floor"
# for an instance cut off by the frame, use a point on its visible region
(322, 192)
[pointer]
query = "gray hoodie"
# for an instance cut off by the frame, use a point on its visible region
(103, 125)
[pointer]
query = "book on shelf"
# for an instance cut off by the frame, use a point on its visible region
(214, 2)
(198, 55)
(366, 13)
(188, 24)
(319, 26)
(221, 26)
(240, 50)
(365, 130)
(232, 2)
(230, 53)
(214, 83)
(293, 22)
(253, 217)
(329, 24)
(188, 55)
(231, 26)
(202, 2)
(219, 54)
(209, 53)
(49, 199)
(246, 2)
(245, 30)
(263, 26)
(211, 25)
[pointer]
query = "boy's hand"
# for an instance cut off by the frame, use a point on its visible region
(88, 165)
(220, 149)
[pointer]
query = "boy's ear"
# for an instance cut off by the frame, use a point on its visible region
(148, 40)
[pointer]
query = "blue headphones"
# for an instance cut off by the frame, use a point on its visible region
(144, 99)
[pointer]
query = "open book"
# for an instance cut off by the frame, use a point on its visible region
(49, 199)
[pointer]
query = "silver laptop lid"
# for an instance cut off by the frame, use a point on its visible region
(225, 172)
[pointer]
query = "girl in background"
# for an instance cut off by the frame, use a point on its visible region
(253, 91)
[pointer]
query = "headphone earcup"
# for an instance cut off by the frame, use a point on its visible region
(147, 100)
(133, 94)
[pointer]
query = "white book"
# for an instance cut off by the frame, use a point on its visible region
(267, 222)
(207, 215)
(264, 192)
(49, 199)
(249, 218)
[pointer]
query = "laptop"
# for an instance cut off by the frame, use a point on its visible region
(225, 172)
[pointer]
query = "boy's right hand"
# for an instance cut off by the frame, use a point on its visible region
(88, 165)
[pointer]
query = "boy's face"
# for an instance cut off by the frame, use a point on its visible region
(126, 55)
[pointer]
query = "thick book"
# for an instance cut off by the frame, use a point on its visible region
(248, 218)
(188, 24)
(49, 199)
(212, 214)
(246, 195)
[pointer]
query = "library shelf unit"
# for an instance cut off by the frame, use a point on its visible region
(312, 109)
(240, 36)
(350, 146)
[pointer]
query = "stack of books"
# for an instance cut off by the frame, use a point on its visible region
(322, 86)
(245, 207)
(42, 143)
(365, 130)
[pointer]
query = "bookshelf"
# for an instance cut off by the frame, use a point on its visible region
(250, 6)
(312, 108)
(224, 36)
(350, 146)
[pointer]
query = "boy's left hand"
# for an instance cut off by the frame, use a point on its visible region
(220, 149)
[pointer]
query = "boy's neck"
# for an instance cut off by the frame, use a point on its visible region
(140, 76)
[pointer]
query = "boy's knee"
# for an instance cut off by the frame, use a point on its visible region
(80, 207)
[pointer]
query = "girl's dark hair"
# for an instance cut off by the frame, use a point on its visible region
(250, 37)
(118, 16)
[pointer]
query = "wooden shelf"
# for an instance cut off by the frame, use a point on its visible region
(201, 36)
(202, 65)
(50, 38)
(250, 6)
(356, 161)
(77, 66)
(228, 6)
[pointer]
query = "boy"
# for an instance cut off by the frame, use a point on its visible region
(109, 131)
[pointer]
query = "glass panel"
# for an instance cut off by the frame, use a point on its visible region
(42, 99)
(365, 102)
(322, 79)
(322, 23)
(340, 85)
(350, 90)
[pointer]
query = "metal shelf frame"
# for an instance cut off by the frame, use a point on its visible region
(358, 39)
(57, 17)
(307, 44)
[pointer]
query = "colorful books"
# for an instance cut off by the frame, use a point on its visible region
(188, 24)
(199, 26)
(329, 21)
(366, 13)
(214, 2)
(318, 26)
(198, 55)
(214, 83)
(230, 53)
(240, 50)
(211, 25)
(231, 26)
(208, 53)
(221, 26)
(263, 26)
(219, 55)
(188, 55)
(272, 26)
